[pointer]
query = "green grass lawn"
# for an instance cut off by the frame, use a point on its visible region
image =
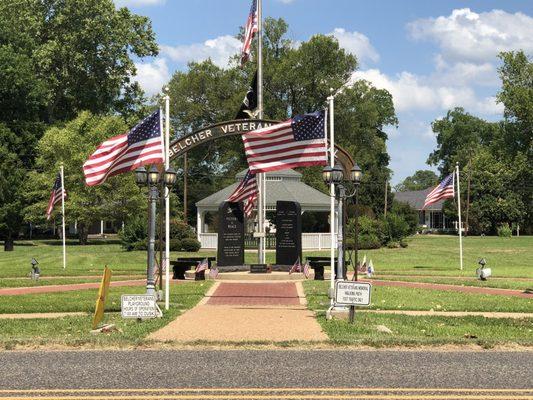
(75, 330)
(427, 330)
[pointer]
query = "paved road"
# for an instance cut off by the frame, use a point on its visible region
(259, 374)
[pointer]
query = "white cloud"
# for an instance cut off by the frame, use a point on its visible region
(287, 1)
(412, 92)
(138, 3)
(464, 73)
(152, 76)
(465, 35)
(219, 50)
(356, 43)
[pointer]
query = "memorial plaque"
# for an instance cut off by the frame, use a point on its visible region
(230, 234)
(288, 232)
(259, 269)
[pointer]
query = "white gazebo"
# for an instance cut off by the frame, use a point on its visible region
(283, 185)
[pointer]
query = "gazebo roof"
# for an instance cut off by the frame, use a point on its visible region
(417, 198)
(287, 188)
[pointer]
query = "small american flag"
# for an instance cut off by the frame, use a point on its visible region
(141, 146)
(55, 196)
(306, 270)
(297, 267)
(246, 191)
(444, 190)
(202, 266)
(297, 142)
(213, 272)
(250, 29)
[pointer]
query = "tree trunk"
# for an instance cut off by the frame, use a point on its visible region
(8, 244)
(82, 233)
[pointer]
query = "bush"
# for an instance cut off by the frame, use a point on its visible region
(175, 245)
(396, 227)
(409, 214)
(190, 244)
(393, 245)
(504, 230)
(134, 232)
(180, 230)
(140, 245)
(367, 242)
(403, 244)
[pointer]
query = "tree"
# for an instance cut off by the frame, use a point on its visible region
(57, 58)
(421, 179)
(297, 79)
(117, 199)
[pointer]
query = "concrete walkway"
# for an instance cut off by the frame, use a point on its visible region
(236, 312)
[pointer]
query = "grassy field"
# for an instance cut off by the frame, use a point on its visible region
(435, 256)
(75, 330)
(425, 330)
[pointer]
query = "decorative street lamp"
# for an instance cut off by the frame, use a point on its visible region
(336, 177)
(153, 178)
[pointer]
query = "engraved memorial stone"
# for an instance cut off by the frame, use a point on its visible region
(230, 234)
(288, 232)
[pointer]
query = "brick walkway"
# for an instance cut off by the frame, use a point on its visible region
(255, 294)
(65, 288)
(454, 288)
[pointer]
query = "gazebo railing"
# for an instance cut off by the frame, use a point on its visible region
(315, 241)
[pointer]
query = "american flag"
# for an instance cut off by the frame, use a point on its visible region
(202, 266)
(246, 191)
(306, 270)
(444, 190)
(213, 272)
(140, 146)
(249, 31)
(297, 142)
(297, 267)
(55, 196)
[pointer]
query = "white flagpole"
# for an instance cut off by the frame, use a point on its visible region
(460, 223)
(332, 198)
(167, 205)
(63, 214)
(260, 177)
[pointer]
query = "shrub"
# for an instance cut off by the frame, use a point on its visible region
(367, 242)
(403, 244)
(180, 230)
(504, 230)
(140, 245)
(175, 245)
(134, 232)
(190, 244)
(396, 227)
(393, 245)
(409, 214)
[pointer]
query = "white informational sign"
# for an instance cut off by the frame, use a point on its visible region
(353, 293)
(139, 306)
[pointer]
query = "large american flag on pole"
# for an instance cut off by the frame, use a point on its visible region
(444, 190)
(55, 196)
(141, 146)
(297, 142)
(246, 191)
(250, 29)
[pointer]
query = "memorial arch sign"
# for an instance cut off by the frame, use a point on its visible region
(180, 146)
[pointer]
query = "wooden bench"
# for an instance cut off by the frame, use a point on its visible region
(183, 264)
(319, 262)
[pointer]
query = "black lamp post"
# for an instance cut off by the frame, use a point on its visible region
(336, 177)
(153, 178)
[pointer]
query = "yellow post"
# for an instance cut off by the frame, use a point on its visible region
(102, 297)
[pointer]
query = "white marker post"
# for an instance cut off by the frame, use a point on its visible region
(63, 214)
(460, 223)
(167, 205)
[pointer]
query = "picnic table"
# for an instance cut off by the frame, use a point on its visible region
(183, 264)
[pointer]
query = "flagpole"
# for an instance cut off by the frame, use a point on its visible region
(167, 205)
(460, 223)
(332, 199)
(63, 214)
(260, 177)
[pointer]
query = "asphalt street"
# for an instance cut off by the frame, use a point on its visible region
(266, 374)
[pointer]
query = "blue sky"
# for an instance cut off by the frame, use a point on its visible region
(431, 55)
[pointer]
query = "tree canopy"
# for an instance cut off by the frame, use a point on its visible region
(421, 179)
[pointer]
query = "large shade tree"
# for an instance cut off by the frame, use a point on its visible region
(297, 79)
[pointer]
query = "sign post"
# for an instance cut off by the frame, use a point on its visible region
(141, 306)
(352, 293)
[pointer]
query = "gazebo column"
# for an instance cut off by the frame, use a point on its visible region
(199, 223)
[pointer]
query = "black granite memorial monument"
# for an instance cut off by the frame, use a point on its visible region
(288, 233)
(230, 235)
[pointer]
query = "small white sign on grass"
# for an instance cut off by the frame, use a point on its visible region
(138, 306)
(353, 293)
